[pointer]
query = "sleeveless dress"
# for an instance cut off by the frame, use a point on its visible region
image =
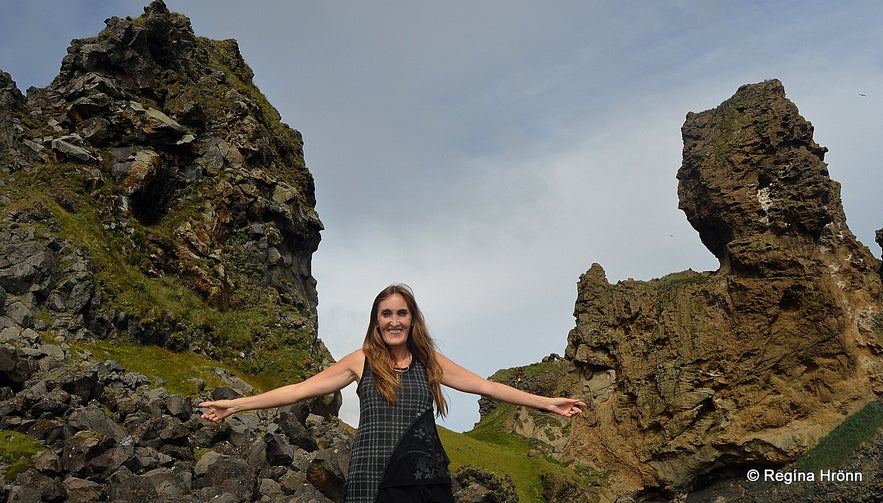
(397, 445)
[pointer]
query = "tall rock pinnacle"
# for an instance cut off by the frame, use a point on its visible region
(693, 375)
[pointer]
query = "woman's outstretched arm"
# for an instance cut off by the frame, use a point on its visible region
(330, 380)
(464, 380)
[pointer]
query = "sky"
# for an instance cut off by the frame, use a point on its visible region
(488, 153)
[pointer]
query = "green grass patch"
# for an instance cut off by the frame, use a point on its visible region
(677, 280)
(277, 354)
(199, 452)
(16, 450)
(490, 447)
(837, 447)
(177, 370)
(877, 325)
(512, 460)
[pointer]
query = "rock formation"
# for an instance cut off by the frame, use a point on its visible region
(150, 194)
(153, 153)
(702, 374)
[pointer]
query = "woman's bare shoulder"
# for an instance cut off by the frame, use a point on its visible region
(355, 362)
(357, 354)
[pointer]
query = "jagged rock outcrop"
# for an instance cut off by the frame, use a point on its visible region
(151, 195)
(11, 103)
(474, 485)
(178, 122)
(154, 154)
(698, 375)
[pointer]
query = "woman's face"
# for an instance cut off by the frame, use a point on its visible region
(394, 320)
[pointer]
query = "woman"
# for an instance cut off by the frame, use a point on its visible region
(397, 455)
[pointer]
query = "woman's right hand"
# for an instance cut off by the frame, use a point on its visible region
(330, 380)
(218, 409)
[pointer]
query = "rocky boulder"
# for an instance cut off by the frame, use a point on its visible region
(105, 434)
(474, 485)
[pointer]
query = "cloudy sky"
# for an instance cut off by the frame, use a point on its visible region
(487, 153)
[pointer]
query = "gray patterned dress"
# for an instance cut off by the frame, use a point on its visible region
(396, 444)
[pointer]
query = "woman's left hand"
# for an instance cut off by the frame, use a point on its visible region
(567, 407)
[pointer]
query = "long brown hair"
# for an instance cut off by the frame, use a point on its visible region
(420, 344)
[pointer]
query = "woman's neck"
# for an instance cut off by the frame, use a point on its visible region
(400, 356)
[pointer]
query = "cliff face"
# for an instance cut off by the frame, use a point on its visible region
(151, 196)
(695, 375)
(187, 132)
(154, 153)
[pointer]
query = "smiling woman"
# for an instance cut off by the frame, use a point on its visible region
(397, 454)
(397, 334)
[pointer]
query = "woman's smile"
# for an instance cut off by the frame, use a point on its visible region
(394, 319)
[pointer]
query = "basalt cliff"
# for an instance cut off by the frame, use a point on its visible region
(154, 206)
(153, 156)
(697, 377)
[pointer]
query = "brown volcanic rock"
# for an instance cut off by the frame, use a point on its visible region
(752, 176)
(697, 374)
(751, 166)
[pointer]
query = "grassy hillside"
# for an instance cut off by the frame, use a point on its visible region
(489, 446)
(277, 354)
(838, 447)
